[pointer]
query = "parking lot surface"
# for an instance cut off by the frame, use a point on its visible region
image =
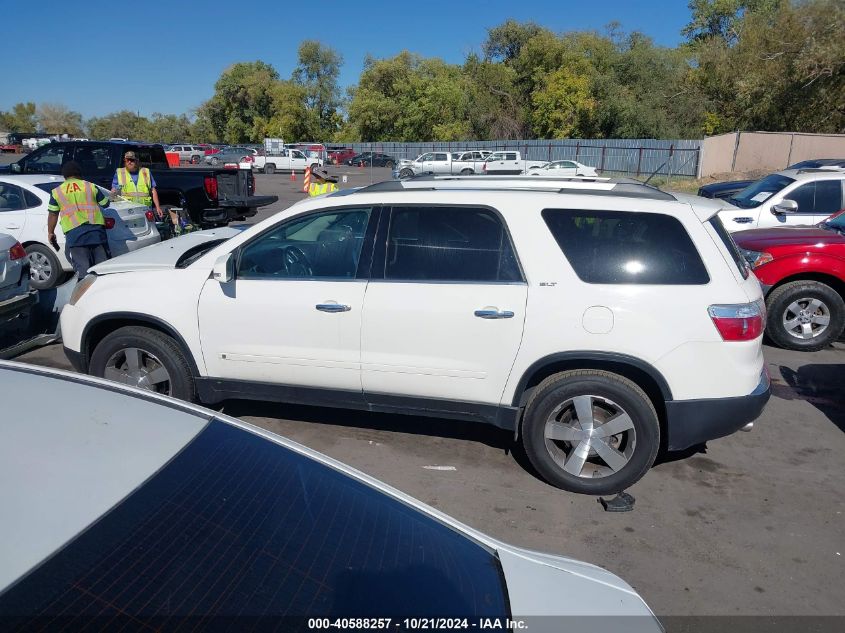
(751, 524)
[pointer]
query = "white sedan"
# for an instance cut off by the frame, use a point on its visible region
(128, 507)
(564, 168)
(23, 215)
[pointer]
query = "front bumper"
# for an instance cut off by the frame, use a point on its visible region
(691, 422)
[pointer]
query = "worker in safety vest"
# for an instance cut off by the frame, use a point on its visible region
(136, 184)
(76, 205)
(322, 183)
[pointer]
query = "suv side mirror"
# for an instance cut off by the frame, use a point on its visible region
(785, 206)
(224, 268)
(15, 167)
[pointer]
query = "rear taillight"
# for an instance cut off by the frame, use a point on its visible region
(109, 223)
(150, 216)
(739, 322)
(211, 187)
(17, 252)
(247, 159)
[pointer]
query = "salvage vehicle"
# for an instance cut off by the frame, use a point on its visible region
(286, 160)
(16, 297)
(463, 163)
(802, 270)
(564, 168)
(535, 305)
(128, 473)
(791, 197)
(724, 190)
(23, 214)
(510, 163)
(372, 159)
(212, 197)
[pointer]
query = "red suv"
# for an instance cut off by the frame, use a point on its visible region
(802, 270)
(340, 156)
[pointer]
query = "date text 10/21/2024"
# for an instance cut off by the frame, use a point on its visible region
(417, 624)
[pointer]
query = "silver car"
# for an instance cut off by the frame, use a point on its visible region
(16, 297)
(188, 153)
(121, 503)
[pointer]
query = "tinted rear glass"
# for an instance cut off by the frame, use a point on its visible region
(622, 247)
(236, 525)
(727, 240)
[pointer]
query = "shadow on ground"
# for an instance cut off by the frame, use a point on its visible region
(823, 386)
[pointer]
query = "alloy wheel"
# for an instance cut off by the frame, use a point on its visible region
(138, 368)
(806, 318)
(590, 436)
(40, 268)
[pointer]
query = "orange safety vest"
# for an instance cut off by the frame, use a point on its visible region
(77, 204)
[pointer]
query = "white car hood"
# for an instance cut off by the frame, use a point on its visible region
(547, 585)
(163, 255)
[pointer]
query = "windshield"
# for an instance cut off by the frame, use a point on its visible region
(758, 192)
(836, 222)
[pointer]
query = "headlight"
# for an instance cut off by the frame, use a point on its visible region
(756, 258)
(81, 288)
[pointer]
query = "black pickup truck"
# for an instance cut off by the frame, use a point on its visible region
(212, 197)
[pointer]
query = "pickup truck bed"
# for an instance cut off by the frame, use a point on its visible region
(212, 196)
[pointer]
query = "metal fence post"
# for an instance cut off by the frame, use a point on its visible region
(601, 162)
(639, 160)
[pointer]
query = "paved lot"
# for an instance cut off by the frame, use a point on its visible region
(750, 524)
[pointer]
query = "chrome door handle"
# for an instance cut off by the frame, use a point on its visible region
(744, 220)
(332, 307)
(494, 314)
(13, 226)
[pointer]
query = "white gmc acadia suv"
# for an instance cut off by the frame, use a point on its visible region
(599, 321)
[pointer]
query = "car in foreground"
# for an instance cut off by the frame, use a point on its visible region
(536, 305)
(16, 297)
(792, 197)
(23, 214)
(134, 506)
(802, 270)
(372, 159)
(564, 168)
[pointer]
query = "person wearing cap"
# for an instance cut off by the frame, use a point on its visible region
(76, 205)
(322, 183)
(136, 183)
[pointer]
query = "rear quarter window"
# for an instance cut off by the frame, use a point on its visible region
(623, 247)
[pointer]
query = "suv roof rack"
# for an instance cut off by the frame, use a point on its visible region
(825, 169)
(622, 187)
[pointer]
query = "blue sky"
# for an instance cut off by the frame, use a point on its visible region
(98, 56)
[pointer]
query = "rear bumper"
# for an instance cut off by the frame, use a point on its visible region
(244, 208)
(691, 422)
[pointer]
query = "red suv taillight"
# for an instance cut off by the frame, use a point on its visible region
(739, 322)
(17, 252)
(150, 216)
(109, 223)
(211, 187)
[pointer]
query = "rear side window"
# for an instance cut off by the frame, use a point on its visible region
(458, 244)
(729, 243)
(622, 247)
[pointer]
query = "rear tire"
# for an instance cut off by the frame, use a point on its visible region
(215, 160)
(112, 359)
(805, 308)
(573, 454)
(389, 164)
(195, 160)
(269, 169)
(467, 172)
(45, 270)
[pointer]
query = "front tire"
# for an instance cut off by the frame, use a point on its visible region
(45, 270)
(591, 432)
(215, 160)
(406, 173)
(145, 358)
(805, 315)
(389, 164)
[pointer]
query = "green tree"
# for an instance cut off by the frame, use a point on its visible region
(21, 118)
(168, 128)
(242, 95)
(56, 118)
(563, 107)
(504, 42)
(122, 124)
(317, 73)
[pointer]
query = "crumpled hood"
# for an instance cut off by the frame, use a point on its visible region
(164, 255)
(806, 237)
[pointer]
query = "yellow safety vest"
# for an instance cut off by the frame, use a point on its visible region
(140, 193)
(318, 189)
(77, 200)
